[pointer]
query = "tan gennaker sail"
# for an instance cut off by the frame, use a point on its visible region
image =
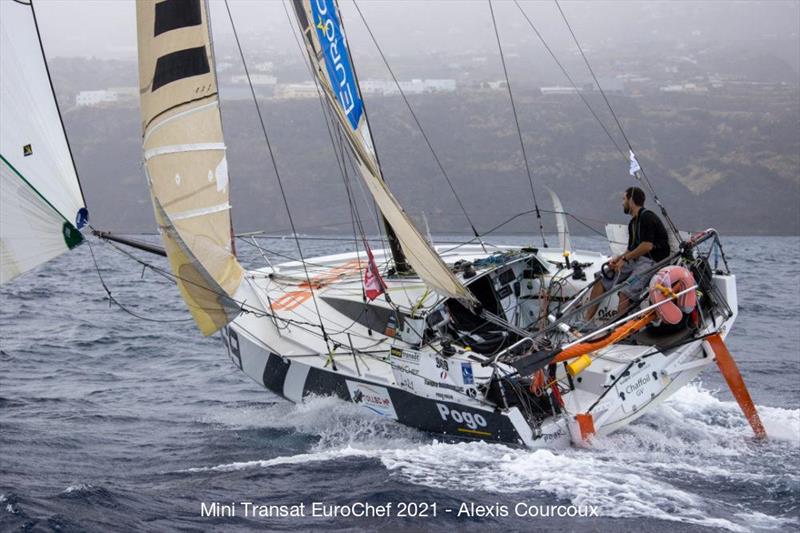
(184, 155)
(326, 44)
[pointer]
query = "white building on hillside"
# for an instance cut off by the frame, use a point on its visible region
(93, 98)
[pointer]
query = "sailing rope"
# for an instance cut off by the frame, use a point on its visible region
(244, 307)
(401, 265)
(277, 172)
(339, 154)
(640, 174)
(516, 121)
(572, 82)
(419, 125)
(112, 299)
(330, 126)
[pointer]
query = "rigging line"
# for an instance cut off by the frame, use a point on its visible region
(245, 308)
(370, 201)
(507, 221)
(279, 254)
(212, 53)
(571, 81)
(275, 167)
(516, 121)
(332, 238)
(402, 264)
(584, 224)
(354, 216)
(330, 126)
(55, 101)
(594, 77)
(641, 175)
(419, 125)
(113, 300)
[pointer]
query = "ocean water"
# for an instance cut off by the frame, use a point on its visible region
(109, 422)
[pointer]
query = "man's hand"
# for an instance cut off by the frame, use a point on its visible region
(616, 263)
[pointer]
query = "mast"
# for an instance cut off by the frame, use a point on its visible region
(326, 46)
(400, 262)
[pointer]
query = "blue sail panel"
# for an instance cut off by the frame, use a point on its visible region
(337, 59)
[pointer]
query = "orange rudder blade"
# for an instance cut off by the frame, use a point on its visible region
(586, 425)
(727, 366)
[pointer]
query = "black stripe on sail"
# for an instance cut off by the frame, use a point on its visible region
(179, 65)
(174, 14)
(302, 19)
(300, 11)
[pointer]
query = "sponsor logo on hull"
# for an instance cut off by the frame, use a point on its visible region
(374, 398)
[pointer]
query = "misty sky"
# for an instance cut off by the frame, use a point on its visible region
(107, 28)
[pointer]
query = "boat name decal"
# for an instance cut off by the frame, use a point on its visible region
(637, 385)
(473, 421)
(553, 436)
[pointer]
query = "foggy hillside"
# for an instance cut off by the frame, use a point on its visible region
(708, 94)
(730, 162)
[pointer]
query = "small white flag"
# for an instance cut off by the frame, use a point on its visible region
(634, 164)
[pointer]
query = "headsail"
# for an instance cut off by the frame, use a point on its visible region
(564, 241)
(184, 155)
(326, 45)
(41, 204)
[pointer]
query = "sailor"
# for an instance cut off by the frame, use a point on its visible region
(648, 244)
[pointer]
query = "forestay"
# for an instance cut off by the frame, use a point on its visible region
(184, 155)
(41, 205)
(326, 45)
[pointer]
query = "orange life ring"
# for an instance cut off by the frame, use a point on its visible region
(664, 285)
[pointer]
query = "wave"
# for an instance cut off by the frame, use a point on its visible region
(646, 470)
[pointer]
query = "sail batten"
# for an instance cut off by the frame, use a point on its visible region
(185, 156)
(326, 46)
(41, 202)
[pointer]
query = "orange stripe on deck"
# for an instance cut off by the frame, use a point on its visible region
(293, 299)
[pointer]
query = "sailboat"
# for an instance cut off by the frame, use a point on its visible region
(476, 341)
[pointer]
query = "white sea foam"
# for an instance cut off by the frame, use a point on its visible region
(333, 422)
(80, 487)
(644, 470)
(298, 459)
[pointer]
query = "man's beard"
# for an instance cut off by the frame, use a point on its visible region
(626, 209)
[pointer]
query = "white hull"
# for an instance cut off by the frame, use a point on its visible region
(292, 360)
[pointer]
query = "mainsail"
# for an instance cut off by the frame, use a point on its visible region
(41, 204)
(323, 33)
(184, 156)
